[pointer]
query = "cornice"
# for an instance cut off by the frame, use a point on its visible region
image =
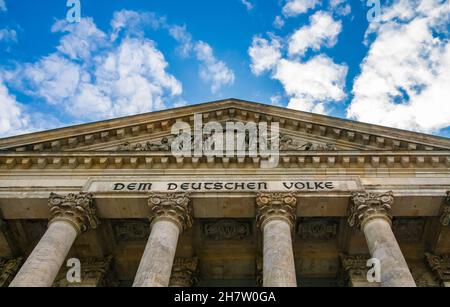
(401, 160)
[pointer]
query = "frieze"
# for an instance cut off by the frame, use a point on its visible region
(408, 229)
(317, 229)
(296, 185)
(132, 230)
(227, 230)
(286, 143)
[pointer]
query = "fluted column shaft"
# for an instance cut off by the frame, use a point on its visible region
(71, 215)
(170, 215)
(372, 213)
(276, 218)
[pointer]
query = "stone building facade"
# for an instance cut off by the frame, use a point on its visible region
(113, 196)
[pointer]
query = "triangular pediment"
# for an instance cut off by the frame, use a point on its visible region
(299, 131)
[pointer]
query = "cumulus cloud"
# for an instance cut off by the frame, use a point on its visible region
(313, 83)
(322, 31)
(294, 8)
(264, 54)
(133, 23)
(405, 77)
(92, 79)
(340, 7)
(81, 39)
(3, 7)
(8, 35)
(12, 118)
(213, 70)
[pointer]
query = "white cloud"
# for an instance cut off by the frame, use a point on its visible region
(8, 35)
(341, 7)
(404, 80)
(276, 100)
(323, 30)
(248, 5)
(278, 22)
(212, 70)
(184, 38)
(12, 118)
(92, 79)
(296, 7)
(3, 6)
(312, 84)
(264, 54)
(133, 22)
(53, 78)
(81, 40)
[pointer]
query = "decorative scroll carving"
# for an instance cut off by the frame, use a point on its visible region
(163, 145)
(440, 265)
(367, 206)
(173, 206)
(9, 269)
(317, 229)
(77, 209)
(287, 143)
(227, 230)
(276, 206)
(94, 273)
(409, 229)
(445, 217)
(134, 230)
(184, 272)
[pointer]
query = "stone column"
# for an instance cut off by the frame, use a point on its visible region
(371, 212)
(355, 268)
(276, 219)
(184, 272)
(441, 266)
(71, 215)
(170, 215)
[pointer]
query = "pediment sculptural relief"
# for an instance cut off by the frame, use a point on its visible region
(286, 143)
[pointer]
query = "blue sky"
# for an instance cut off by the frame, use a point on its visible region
(134, 56)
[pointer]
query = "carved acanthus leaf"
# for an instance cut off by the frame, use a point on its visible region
(77, 209)
(367, 206)
(276, 206)
(440, 265)
(172, 206)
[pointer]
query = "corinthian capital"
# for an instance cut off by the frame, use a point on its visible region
(77, 209)
(276, 206)
(367, 206)
(172, 206)
(445, 217)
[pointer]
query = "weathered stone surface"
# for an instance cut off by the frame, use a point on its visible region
(279, 266)
(156, 263)
(42, 266)
(384, 247)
